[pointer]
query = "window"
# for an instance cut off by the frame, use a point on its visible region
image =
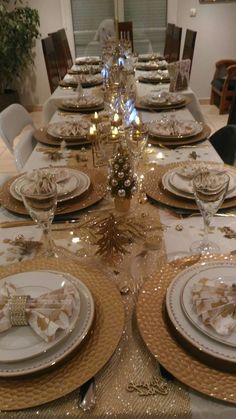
(148, 17)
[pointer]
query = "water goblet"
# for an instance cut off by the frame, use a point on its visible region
(210, 188)
(41, 205)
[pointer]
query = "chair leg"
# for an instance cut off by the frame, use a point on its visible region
(212, 98)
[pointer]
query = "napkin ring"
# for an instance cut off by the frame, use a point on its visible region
(17, 309)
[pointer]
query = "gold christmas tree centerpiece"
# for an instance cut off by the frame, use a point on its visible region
(122, 182)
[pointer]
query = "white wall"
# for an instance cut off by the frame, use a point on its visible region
(35, 89)
(216, 38)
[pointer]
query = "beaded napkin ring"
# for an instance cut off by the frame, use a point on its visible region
(17, 308)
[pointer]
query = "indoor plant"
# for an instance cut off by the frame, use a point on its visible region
(19, 29)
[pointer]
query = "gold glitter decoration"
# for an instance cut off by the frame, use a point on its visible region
(229, 233)
(17, 310)
(156, 386)
(21, 247)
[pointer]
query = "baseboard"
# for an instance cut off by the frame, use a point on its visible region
(204, 101)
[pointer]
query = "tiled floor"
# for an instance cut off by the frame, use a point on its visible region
(7, 165)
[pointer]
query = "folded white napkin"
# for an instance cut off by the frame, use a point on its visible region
(45, 315)
(215, 302)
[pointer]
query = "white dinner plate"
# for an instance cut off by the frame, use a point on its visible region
(20, 343)
(63, 348)
(88, 60)
(79, 183)
(58, 129)
(188, 307)
(183, 189)
(160, 99)
(202, 341)
(156, 129)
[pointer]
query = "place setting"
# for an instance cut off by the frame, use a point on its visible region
(85, 69)
(162, 100)
(151, 65)
(189, 323)
(155, 77)
(172, 184)
(152, 56)
(75, 189)
(72, 132)
(83, 104)
(86, 80)
(172, 131)
(88, 60)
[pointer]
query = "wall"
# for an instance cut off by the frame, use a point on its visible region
(216, 38)
(35, 89)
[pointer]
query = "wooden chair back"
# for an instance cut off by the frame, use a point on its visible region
(60, 54)
(168, 40)
(66, 47)
(125, 31)
(189, 45)
(175, 44)
(223, 84)
(51, 63)
(232, 111)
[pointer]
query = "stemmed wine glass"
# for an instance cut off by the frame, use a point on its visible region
(39, 194)
(210, 188)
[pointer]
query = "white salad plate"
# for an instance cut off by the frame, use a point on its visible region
(74, 185)
(39, 354)
(188, 307)
(177, 314)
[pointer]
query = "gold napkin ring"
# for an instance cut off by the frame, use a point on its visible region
(17, 309)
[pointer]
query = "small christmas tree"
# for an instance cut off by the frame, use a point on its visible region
(122, 181)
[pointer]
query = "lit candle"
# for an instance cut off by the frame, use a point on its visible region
(92, 132)
(137, 120)
(114, 133)
(116, 120)
(95, 118)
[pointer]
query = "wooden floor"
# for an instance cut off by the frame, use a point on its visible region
(7, 165)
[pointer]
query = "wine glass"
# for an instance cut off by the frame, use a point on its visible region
(210, 188)
(41, 204)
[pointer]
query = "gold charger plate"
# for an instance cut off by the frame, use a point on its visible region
(42, 136)
(94, 194)
(203, 135)
(152, 323)
(155, 190)
(147, 80)
(162, 107)
(97, 349)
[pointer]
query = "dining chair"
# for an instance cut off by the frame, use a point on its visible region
(168, 40)
(189, 45)
(51, 63)
(61, 33)
(125, 31)
(175, 44)
(223, 84)
(224, 142)
(232, 110)
(60, 54)
(16, 130)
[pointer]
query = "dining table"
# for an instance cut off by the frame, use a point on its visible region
(137, 362)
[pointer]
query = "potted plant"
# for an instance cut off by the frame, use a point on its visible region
(19, 28)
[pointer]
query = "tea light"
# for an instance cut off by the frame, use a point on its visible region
(92, 133)
(95, 118)
(114, 133)
(116, 120)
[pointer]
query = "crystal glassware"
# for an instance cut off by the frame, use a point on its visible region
(41, 206)
(210, 188)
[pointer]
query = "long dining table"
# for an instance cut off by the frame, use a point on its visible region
(130, 382)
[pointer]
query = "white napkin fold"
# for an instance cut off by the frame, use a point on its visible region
(46, 314)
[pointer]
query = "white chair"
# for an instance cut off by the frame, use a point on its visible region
(16, 126)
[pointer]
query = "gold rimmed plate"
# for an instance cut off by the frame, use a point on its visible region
(41, 135)
(92, 195)
(155, 190)
(161, 339)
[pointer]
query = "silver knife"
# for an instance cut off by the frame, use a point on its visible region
(87, 398)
